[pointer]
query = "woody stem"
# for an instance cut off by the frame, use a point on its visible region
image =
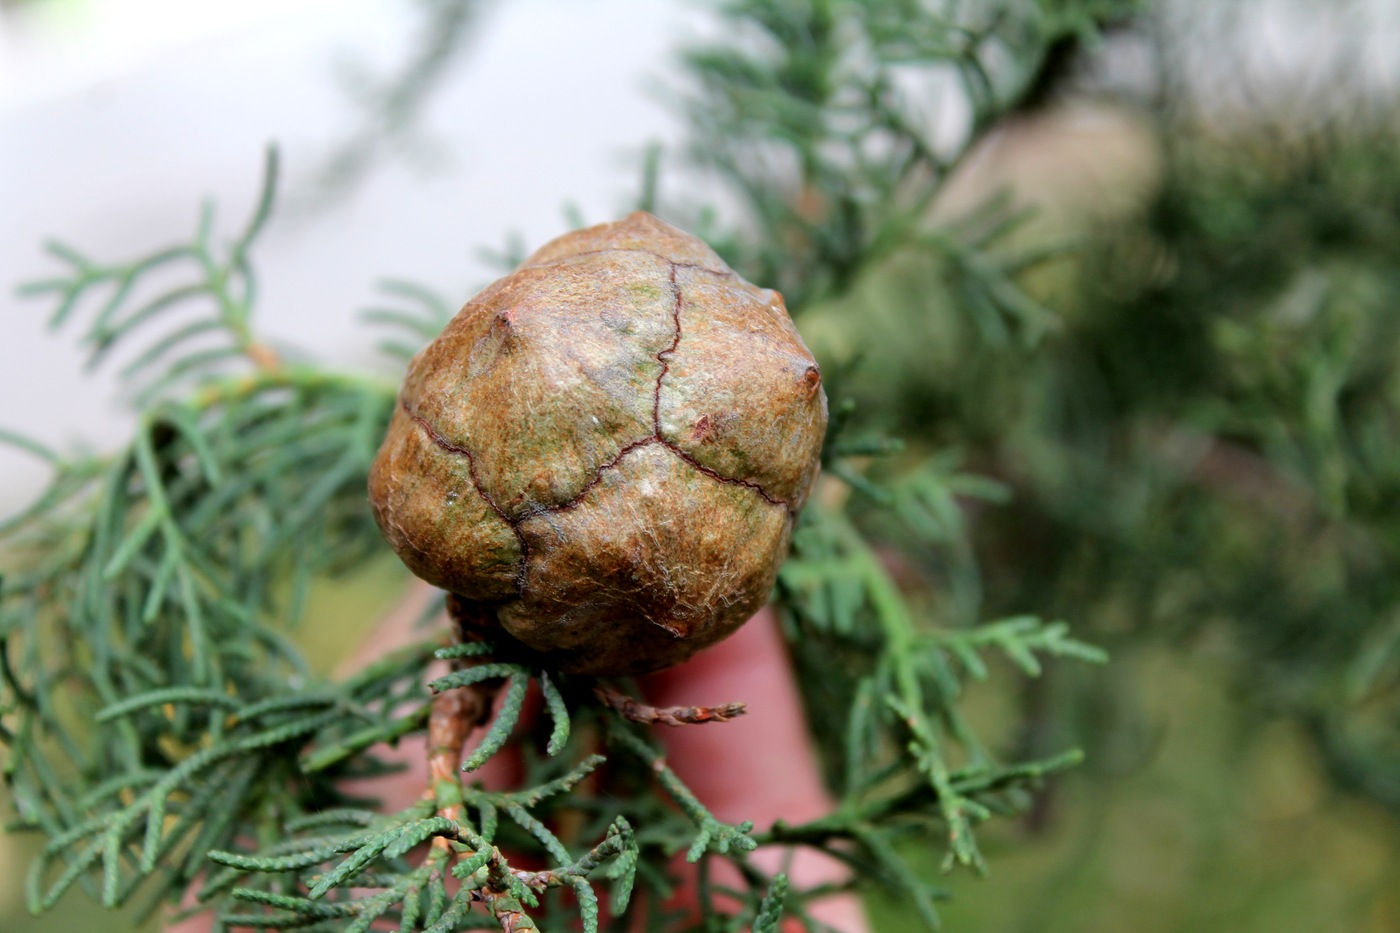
(455, 713)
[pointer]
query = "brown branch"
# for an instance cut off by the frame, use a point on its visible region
(455, 713)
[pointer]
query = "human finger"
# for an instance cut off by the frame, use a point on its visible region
(761, 766)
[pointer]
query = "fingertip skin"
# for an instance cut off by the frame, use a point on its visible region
(761, 766)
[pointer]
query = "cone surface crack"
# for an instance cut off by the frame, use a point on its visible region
(594, 480)
(452, 448)
(461, 451)
(664, 358)
(729, 480)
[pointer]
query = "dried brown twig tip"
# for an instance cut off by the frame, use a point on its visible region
(637, 711)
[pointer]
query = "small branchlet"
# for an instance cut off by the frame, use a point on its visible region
(714, 834)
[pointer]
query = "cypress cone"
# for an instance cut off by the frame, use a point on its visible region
(609, 447)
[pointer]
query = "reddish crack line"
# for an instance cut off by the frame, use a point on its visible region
(664, 357)
(450, 447)
(593, 481)
(720, 477)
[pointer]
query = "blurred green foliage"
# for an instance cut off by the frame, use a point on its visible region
(1204, 445)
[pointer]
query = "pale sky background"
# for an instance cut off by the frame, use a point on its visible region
(117, 117)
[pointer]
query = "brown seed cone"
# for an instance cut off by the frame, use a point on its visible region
(610, 443)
